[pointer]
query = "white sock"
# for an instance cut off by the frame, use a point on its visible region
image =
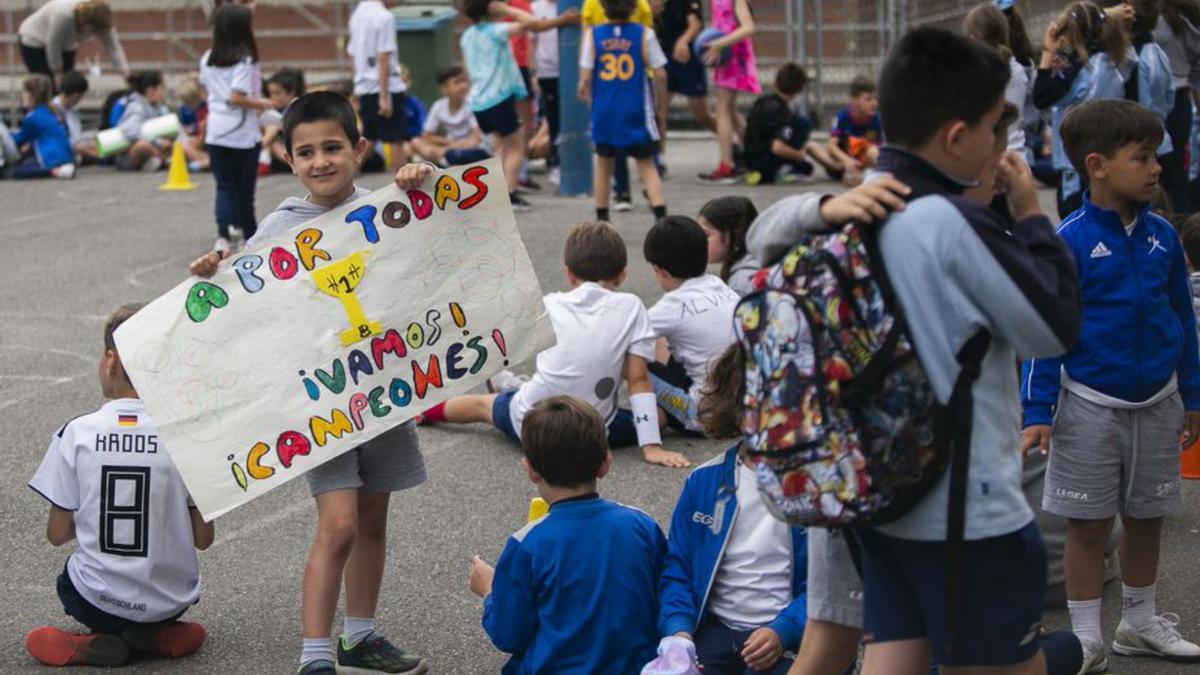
(1085, 620)
(1138, 605)
(264, 156)
(356, 628)
(314, 649)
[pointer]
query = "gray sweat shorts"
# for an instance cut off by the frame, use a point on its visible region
(1107, 461)
(390, 462)
(835, 591)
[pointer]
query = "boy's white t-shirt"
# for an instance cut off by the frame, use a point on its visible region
(372, 32)
(452, 125)
(697, 321)
(135, 556)
(545, 56)
(594, 329)
(230, 126)
(753, 582)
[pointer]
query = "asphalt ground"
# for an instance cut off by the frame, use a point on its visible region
(73, 251)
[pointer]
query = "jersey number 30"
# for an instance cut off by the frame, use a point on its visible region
(616, 67)
(124, 510)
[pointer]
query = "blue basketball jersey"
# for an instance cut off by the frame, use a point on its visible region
(622, 107)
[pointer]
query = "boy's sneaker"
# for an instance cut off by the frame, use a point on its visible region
(505, 380)
(528, 185)
(519, 205)
(222, 245)
(153, 164)
(318, 667)
(375, 654)
(1095, 657)
(172, 640)
(623, 202)
(55, 647)
(1158, 637)
(65, 171)
(724, 175)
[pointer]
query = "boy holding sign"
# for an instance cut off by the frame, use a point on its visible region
(352, 491)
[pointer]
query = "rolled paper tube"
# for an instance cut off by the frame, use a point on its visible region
(110, 142)
(161, 127)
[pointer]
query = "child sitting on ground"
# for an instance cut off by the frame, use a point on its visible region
(451, 135)
(725, 221)
(602, 337)
(193, 118)
(693, 320)
(112, 487)
(48, 149)
(71, 91)
(856, 134)
(613, 61)
(733, 593)
(574, 592)
(776, 137)
(1113, 406)
(285, 86)
(1189, 234)
(144, 102)
(353, 490)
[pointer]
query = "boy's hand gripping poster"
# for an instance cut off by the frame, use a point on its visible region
(325, 337)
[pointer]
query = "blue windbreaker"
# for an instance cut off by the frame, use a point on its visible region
(49, 137)
(701, 523)
(1138, 326)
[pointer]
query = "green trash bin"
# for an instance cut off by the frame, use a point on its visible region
(425, 40)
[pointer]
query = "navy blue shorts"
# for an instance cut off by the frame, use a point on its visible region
(689, 79)
(96, 619)
(500, 119)
(376, 128)
(621, 431)
(1004, 579)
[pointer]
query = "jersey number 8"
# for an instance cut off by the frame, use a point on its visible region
(616, 67)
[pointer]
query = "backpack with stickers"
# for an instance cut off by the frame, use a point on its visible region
(840, 422)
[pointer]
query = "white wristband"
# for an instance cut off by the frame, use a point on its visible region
(645, 418)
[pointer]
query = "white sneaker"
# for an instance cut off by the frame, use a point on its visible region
(1158, 637)
(555, 176)
(623, 204)
(223, 245)
(153, 164)
(1095, 657)
(66, 171)
(236, 234)
(505, 380)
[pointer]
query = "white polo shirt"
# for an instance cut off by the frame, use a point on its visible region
(373, 32)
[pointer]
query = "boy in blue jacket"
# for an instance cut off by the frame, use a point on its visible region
(574, 592)
(1112, 408)
(734, 583)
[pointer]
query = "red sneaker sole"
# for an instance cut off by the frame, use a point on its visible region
(55, 647)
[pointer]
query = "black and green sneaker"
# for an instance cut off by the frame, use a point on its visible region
(374, 654)
(318, 667)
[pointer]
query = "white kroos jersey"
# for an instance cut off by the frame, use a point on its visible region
(135, 557)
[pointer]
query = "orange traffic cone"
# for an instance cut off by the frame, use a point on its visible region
(1189, 461)
(537, 508)
(177, 175)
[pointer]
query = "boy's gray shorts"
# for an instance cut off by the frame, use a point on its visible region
(1107, 461)
(389, 462)
(835, 591)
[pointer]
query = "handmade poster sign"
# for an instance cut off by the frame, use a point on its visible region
(308, 345)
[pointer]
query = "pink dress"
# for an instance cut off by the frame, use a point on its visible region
(740, 73)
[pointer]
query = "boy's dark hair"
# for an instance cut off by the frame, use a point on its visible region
(320, 106)
(618, 10)
(233, 36)
(73, 82)
(1189, 235)
(476, 10)
(732, 216)
(447, 73)
(720, 407)
(863, 84)
(290, 80)
(1104, 126)
(933, 77)
(790, 79)
(678, 245)
(564, 440)
(144, 80)
(39, 87)
(595, 252)
(119, 316)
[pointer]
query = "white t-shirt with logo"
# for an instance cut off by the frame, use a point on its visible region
(135, 556)
(230, 126)
(545, 56)
(753, 583)
(373, 32)
(594, 329)
(697, 321)
(453, 125)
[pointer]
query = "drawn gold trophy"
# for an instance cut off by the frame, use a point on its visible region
(340, 279)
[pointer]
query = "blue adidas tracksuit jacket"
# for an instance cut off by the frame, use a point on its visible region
(700, 525)
(1138, 324)
(574, 592)
(48, 135)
